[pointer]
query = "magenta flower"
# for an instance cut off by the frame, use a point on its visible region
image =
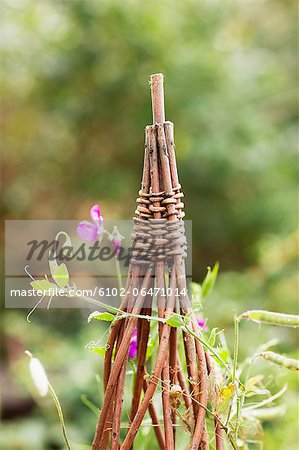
(95, 213)
(89, 231)
(133, 345)
(201, 322)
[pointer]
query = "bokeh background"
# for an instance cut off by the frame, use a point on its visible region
(75, 101)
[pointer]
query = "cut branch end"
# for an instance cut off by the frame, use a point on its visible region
(157, 93)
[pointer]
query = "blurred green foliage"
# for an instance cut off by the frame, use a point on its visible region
(75, 101)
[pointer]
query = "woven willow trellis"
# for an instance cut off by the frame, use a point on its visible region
(158, 218)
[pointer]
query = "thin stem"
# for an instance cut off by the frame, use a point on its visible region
(205, 344)
(98, 303)
(235, 360)
(236, 347)
(60, 415)
(91, 406)
(118, 273)
(123, 314)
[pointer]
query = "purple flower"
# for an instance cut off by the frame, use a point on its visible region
(116, 239)
(133, 345)
(117, 246)
(201, 322)
(89, 231)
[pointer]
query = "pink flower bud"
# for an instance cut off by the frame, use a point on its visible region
(95, 213)
(201, 322)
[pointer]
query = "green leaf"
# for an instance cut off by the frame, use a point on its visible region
(196, 295)
(212, 337)
(99, 350)
(175, 321)
(209, 280)
(225, 398)
(45, 286)
(150, 348)
(61, 275)
(107, 317)
(224, 354)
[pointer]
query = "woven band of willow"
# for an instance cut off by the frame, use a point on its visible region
(158, 240)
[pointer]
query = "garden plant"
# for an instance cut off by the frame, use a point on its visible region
(187, 385)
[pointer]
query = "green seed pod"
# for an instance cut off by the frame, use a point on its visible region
(273, 318)
(283, 361)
